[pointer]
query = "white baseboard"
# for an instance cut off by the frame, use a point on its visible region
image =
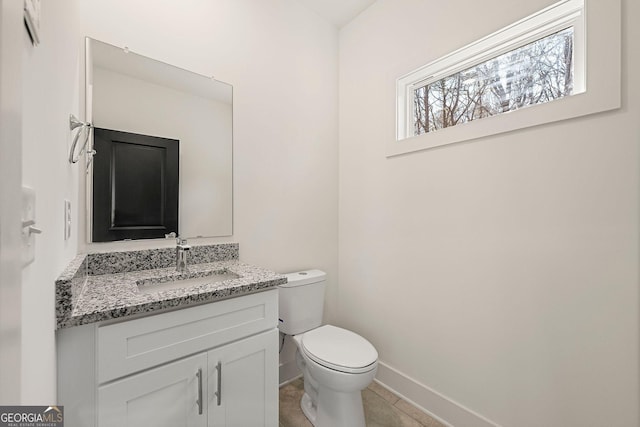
(428, 400)
(288, 372)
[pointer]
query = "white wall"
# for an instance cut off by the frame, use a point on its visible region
(282, 61)
(499, 274)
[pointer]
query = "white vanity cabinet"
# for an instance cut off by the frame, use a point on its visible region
(214, 364)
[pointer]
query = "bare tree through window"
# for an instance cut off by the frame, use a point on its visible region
(535, 73)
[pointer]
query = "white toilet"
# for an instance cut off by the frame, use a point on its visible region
(337, 364)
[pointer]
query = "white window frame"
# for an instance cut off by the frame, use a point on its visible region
(596, 86)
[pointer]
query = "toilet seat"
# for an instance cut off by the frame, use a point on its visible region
(339, 349)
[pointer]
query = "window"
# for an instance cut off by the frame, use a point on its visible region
(522, 69)
(535, 73)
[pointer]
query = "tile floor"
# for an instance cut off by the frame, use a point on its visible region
(381, 408)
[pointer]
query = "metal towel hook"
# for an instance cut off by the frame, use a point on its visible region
(83, 129)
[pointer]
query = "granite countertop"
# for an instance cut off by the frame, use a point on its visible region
(84, 295)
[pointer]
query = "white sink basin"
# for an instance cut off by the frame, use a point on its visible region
(156, 285)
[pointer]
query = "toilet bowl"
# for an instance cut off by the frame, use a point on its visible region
(337, 364)
(334, 375)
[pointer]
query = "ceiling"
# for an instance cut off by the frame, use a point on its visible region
(338, 12)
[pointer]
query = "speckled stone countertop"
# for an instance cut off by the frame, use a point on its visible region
(97, 287)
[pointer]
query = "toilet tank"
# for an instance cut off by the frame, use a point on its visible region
(301, 301)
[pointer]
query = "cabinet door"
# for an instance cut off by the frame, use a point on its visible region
(164, 396)
(243, 382)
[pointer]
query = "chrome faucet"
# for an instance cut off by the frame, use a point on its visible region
(182, 249)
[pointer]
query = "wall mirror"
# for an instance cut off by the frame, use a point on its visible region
(128, 93)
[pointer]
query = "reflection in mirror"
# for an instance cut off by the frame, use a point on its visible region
(127, 92)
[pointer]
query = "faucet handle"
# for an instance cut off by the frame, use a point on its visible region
(182, 244)
(182, 249)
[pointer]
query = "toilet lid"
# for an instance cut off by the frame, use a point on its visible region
(339, 349)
